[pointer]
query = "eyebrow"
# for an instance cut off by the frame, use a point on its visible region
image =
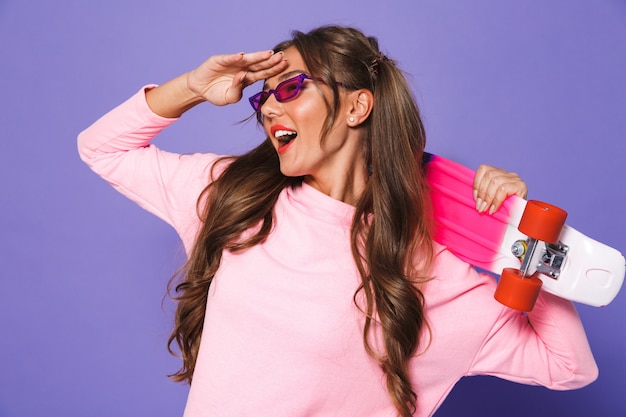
(284, 77)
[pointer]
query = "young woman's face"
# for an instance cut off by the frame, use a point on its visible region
(295, 127)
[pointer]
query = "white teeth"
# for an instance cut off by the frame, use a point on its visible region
(280, 133)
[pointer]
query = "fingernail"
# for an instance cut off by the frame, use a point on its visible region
(492, 209)
(475, 194)
(479, 203)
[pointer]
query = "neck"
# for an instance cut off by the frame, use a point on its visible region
(343, 185)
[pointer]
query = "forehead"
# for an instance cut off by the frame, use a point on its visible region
(293, 57)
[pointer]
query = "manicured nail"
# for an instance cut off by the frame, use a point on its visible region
(475, 194)
(492, 209)
(479, 204)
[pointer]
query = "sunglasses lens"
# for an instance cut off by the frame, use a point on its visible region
(258, 99)
(289, 89)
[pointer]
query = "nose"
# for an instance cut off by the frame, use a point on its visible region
(271, 107)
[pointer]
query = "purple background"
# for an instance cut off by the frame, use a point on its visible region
(536, 87)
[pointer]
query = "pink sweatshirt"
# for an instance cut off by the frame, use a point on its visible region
(282, 336)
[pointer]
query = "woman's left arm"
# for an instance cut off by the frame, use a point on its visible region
(550, 346)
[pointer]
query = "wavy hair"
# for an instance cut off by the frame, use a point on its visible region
(390, 236)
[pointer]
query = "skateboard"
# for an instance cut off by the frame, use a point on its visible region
(527, 243)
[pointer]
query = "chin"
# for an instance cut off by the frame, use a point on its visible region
(290, 172)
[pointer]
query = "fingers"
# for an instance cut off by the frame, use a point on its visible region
(262, 65)
(493, 185)
(251, 67)
(221, 79)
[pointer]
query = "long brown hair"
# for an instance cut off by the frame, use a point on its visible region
(390, 238)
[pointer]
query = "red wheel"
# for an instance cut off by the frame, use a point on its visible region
(542, 221)
(516, 291)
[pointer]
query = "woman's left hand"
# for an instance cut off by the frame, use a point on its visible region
(493, 185)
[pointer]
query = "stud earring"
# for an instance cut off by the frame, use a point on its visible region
(351, 120)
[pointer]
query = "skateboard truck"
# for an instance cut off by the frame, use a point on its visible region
(541, 253)
(545, 258)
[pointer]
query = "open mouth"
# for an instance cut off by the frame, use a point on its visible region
(284, 137)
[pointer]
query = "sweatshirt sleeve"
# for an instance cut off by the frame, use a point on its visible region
(117, 147)
(547, 346)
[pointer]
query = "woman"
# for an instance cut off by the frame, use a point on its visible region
(312, 285)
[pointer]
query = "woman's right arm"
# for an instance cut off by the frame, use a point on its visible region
(117, 146)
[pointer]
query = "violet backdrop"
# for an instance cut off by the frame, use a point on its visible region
(536, 87)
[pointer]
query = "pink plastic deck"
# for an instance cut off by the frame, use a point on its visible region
(474, 237)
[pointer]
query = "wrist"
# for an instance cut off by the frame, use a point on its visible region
(173, 98)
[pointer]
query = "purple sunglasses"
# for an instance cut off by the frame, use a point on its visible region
(284, 91)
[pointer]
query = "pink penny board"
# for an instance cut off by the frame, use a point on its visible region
(592, 272)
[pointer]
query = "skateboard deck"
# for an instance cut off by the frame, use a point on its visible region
(577, 268)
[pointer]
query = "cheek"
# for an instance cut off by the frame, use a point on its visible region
(310, 118)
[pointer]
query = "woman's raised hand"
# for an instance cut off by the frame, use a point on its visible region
(221, 79)
(493, 185)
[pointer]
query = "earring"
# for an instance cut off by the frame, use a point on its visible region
(351, 120)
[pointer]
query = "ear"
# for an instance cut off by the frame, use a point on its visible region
(361, 103)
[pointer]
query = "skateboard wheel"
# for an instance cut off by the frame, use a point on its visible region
(516, 291)
(542, 221)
